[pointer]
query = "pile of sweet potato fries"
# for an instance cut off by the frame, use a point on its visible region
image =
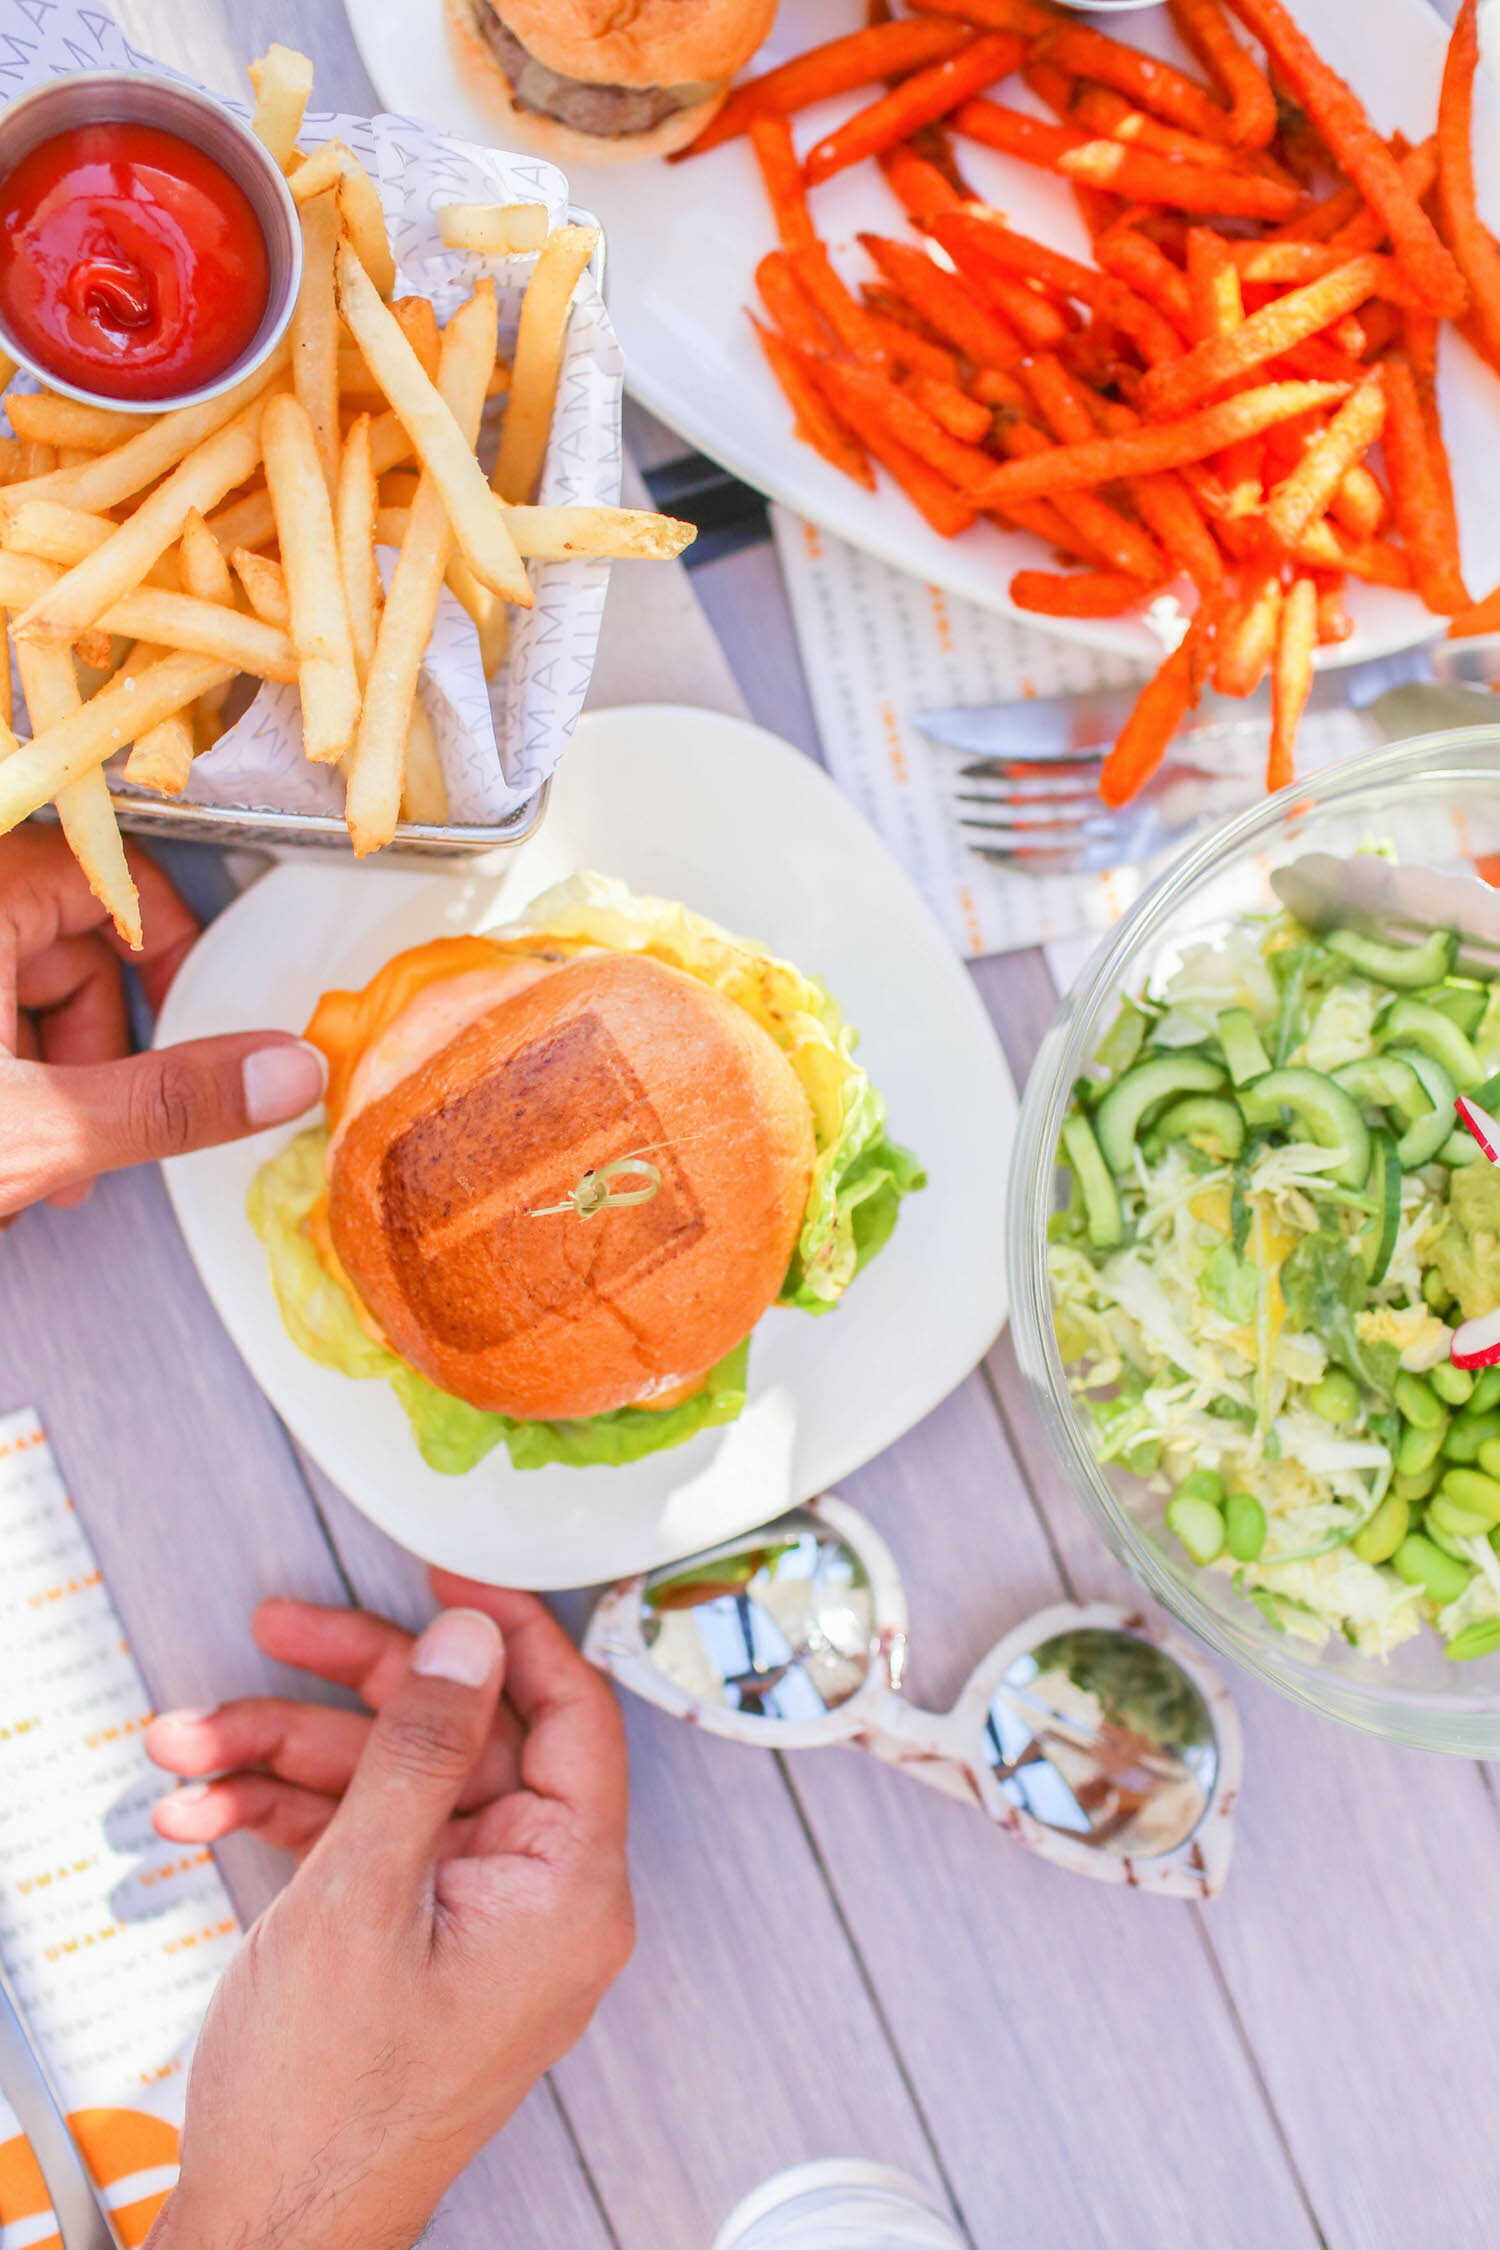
(1239, 392)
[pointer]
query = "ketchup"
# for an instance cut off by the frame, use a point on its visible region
(131, 264)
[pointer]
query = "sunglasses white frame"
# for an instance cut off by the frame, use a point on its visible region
(942, 1748)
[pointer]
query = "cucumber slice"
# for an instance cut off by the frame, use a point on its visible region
(1198, 1524)
(1101, 1200)
(1322, 1110)
(1460, 1149)
(1413, 1023)
(1240, 1040)
(1378, 1238)
(1385, 1082)
(1210, 1121)
(1423, 1138)
(1118, 1118)
(1462, 1004)
(1404, 967)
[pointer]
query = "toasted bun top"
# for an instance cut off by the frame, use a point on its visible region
(640, 42)
(435, 1186)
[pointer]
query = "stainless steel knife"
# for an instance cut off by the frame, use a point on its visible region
(81, 2218)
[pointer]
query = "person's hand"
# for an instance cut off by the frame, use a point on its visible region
(73, 1100)
(461, 1907)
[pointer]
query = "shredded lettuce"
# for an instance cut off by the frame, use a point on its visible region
(452, 1436)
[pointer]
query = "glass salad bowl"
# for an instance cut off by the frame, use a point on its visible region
(1434, 803)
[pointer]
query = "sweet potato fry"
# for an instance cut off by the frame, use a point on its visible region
(1070, 468)
(861, 58)
(1366, 229)
(1468, 237)
(1291, 677)
(1377, 561)
(946, 302)
(771, 139)
(1147, 178)
(1108, 116)
(1163, 704)
(992, 254)
(1102, 529)
(916, 348)
(1132, 257)
(1204, 28)
(961, 416)
(1028, 16)
(790, 307)
(1300, 498)
(1340, 118)
(1220, 360)
(1247, 632)
(1418, 496)
(1167, 508)
(857, 331)
(919, 100)
(1334, 622)
(1084, 593)
(812, 417)
(1014, 134)
(865, 399)
(1358, 506)
(1149, 83)
(919, 186)
(1215, 294)
(1479, 617)
(934, 498)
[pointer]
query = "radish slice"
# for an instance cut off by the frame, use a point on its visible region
(1477, 1342)
(1485, 1129)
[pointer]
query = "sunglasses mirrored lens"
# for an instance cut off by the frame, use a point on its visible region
(1104, 1736)
(780, 1628)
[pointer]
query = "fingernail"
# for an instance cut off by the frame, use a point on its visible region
(185, 1717)
(191, 1793)
(282, 1081)
(463, 1645)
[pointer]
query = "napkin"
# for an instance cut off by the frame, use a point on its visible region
(112, 1938)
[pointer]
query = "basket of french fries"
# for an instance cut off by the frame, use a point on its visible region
(351, 601)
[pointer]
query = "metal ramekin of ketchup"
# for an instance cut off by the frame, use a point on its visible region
(150, 250)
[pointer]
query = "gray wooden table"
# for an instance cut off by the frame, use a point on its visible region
(830, 1962)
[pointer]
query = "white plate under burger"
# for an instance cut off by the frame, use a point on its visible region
(684, 240)
(738, 825)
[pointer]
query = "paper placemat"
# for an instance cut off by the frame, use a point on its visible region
(112, 1938)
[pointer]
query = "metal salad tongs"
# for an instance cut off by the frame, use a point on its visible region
(82, 2221)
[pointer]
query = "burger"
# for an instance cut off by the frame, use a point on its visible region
(567, 1167)
(601, 81)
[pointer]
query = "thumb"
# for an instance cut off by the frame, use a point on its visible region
(426, 1740)
(62, 1123)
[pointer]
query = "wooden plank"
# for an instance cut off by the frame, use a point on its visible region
(1068, 2041)
(742, 2037)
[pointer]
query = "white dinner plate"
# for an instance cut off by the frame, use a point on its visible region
(747, 830)
(684, 239)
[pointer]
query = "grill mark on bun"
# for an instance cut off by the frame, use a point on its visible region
(458, 1188)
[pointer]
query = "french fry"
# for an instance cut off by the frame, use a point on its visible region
(282, 80)
(354, 527)
(1144, 451)
(1300, 498)
(336, 166)
(537, 362)
(1469, 239)
(1204, 28)
(1419, 499)
(162, 757)
(771, 139)
(417, 321)
(1291, 677)
(265, 585)
(59, 755)
(177, 621)
(1340, 118)
(314, 332)
(84, 593)
(49, 420)
(84, 808)
(476, 515)
(1084, 593)
(917, 101)
(104, 483)
(375, 776)
(65, 535)
(494, 230)
(813, 418)
(326, 672)
(1163, 704)
(839, 66)
(201, 564)
(249, 521)
(1263, 335)
(424, 793)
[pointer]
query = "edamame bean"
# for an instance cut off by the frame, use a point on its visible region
(1454, 1385)
(1198, 1524)
(1466, 1488)
(1335, 1396)
(1444, 1514)
(1244, 1526)
(1202, 1484)
(1489, 1457)
(1486, 1391)
(1417, 1488)
(1418, 1402)
(1420, 1448)
(1420, 1563)
(1435, 1291)
(1469, 1432)
(1384, 1532)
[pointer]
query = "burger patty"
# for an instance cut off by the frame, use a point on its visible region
(610, 112)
